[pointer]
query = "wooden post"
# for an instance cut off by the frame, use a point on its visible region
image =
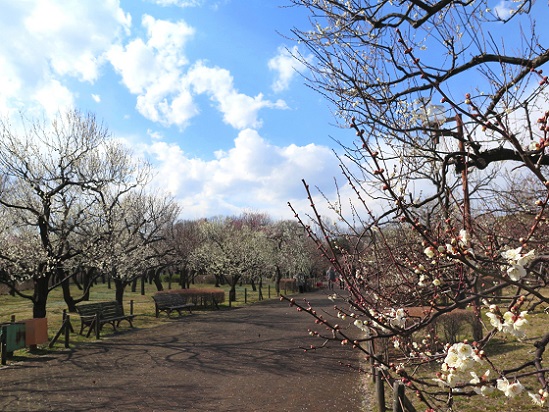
(3, 345)
(245, 295)
(269, 291)
(131, 307)
(67, 326)
(97, 326)
(398, 396)
(12, 319)
(380, 390)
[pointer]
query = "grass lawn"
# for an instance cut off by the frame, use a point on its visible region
(143, 307)
(505, 352)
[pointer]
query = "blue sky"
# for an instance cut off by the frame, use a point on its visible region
(204, 89)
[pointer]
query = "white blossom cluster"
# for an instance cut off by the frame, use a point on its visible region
(395, 318)
(509, 322)
(516, 262)
(456, 246)
(460, 359)
(509, 389)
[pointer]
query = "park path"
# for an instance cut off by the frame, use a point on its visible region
(240, 360)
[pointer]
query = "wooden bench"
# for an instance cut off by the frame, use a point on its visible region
(169, 302)
(97, 314)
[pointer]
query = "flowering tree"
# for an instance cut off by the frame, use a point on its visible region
(186, 238)
(46, 169)
(132, 237)
(72, 198)
(293, 251)
(444, 101)
(234, 248)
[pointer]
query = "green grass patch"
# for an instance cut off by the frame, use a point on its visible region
(505, 352)
(143, 308)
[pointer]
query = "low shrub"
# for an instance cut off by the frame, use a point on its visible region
(203, 297)
(288, 284)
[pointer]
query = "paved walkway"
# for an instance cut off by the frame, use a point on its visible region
(239, 360)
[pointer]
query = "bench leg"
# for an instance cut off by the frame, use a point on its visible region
(91, 327)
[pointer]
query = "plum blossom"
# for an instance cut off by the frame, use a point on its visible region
(398, 318)
(510, 322)
(539, 398)
(476, 380)
(516, 262)
(527, 258)
(511, 254)
(515, 323)
(460, 358)
(463, 238)
(361, 325)
(509, 389)
(516, 272)
(430, 252)
(534, 146)
(495, 318)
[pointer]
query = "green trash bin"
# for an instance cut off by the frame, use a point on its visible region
(12, 338)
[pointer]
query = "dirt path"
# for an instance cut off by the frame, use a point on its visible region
(245, 359)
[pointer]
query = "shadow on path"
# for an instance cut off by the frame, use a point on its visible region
(246, 359)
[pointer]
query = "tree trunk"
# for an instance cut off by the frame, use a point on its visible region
(120, 286)
(277, 280)
(76, 281)
(69, 300)
(40, 296)
(157, 279)
(190, 278)
(88, 278)
(232, 294)
(232, 291)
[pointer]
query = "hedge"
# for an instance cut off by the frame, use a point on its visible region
(201, 296)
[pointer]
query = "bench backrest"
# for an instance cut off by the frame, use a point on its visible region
(105, 310)
(111, 310)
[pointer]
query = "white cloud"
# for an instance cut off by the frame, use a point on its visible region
(239, 110)
(504, 10)
(154, 135)
(47, 40)
(154, 70)
(212, 5)
(179, 3)
(286, 67)
(53, 97)
(96, 98)
(156, 63)
(253, 175)
(75, 36)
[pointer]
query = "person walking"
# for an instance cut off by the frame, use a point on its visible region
(331, 275)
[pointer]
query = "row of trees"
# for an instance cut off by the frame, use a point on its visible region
(448, 100)
(75, 204)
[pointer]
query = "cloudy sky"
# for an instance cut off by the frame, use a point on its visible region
(206, 89)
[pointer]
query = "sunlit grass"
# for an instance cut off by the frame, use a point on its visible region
(505, 352)
(143, 307)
